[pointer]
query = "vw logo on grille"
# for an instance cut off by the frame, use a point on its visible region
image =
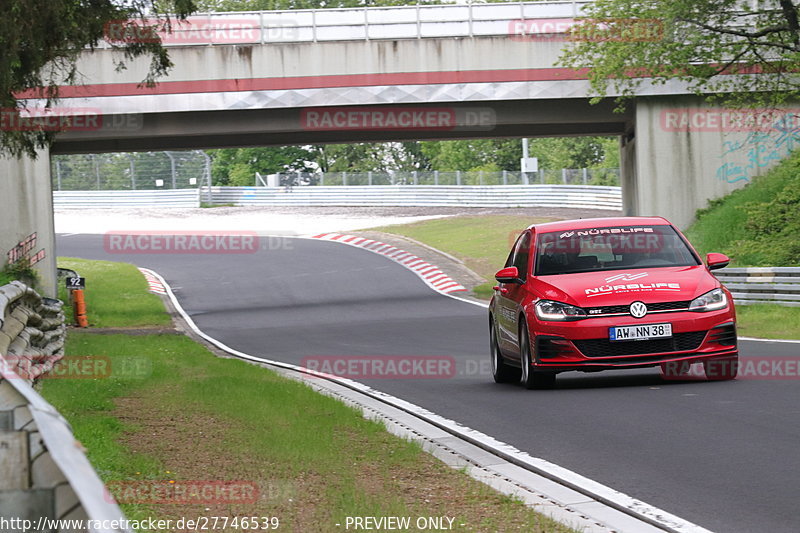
(638, 309)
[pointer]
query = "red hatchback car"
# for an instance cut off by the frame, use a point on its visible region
(605, 293)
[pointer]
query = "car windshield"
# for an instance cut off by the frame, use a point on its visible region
(611, 248)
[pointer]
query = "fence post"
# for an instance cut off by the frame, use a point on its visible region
(564, 175)
(458, 177)
(505, 177)
(369, 177)
(172, 168)
(480, 173)
(208, 174)
(133, 173)
(96, 170)
(414, 173)
(58, 173)
(344, 178)
(585, 176)
(321, 179)
(436, 177)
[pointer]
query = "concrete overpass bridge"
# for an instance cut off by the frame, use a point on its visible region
(417, 72)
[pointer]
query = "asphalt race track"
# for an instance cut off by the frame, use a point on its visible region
(724, 455)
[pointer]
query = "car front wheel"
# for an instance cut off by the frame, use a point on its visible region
(531, 378)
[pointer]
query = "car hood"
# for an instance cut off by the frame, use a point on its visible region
(618, 287)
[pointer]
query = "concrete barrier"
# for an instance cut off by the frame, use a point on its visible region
(112, 199)
(576, 196)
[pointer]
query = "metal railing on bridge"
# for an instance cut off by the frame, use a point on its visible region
(367, 23)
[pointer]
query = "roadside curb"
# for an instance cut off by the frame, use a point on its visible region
(565, 495)
(431, 274)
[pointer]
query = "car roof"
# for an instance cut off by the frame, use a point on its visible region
(606, 222)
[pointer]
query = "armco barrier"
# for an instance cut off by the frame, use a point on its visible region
(576, 196)
(112, 199)
(775, 285)
(44, 474)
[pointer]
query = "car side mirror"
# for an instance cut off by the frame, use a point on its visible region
(715, 261)
(508, 275)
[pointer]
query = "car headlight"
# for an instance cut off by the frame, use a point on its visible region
(710, 301)
(550, 310)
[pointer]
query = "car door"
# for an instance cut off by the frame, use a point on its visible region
(509, 297)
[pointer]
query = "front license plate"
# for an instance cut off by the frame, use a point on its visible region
(640, 333)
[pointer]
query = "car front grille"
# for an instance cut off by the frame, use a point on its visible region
(680, 342)
(682, 305)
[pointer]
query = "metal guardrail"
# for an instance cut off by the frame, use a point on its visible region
(589, 197)
(112, 199)
(368, 23)
(44, 474)
(774, 285)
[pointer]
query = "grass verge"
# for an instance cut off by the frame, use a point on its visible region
(116, 295)
(170, 412)
(768, 321)
(481, 242)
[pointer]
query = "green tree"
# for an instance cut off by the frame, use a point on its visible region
(40, 41)
(504, 154)
(700, 42)
(238, 166)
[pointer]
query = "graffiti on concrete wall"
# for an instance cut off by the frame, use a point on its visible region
(23, 251)
(760, 149)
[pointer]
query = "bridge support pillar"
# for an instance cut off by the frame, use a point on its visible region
(26, 216)
(687, 152)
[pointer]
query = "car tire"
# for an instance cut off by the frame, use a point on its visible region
(721, 368)
(675, 369)
(502, 372)
(532, 379)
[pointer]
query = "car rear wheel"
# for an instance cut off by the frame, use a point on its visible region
(531, 378)
(721, 368)
(502, 372)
